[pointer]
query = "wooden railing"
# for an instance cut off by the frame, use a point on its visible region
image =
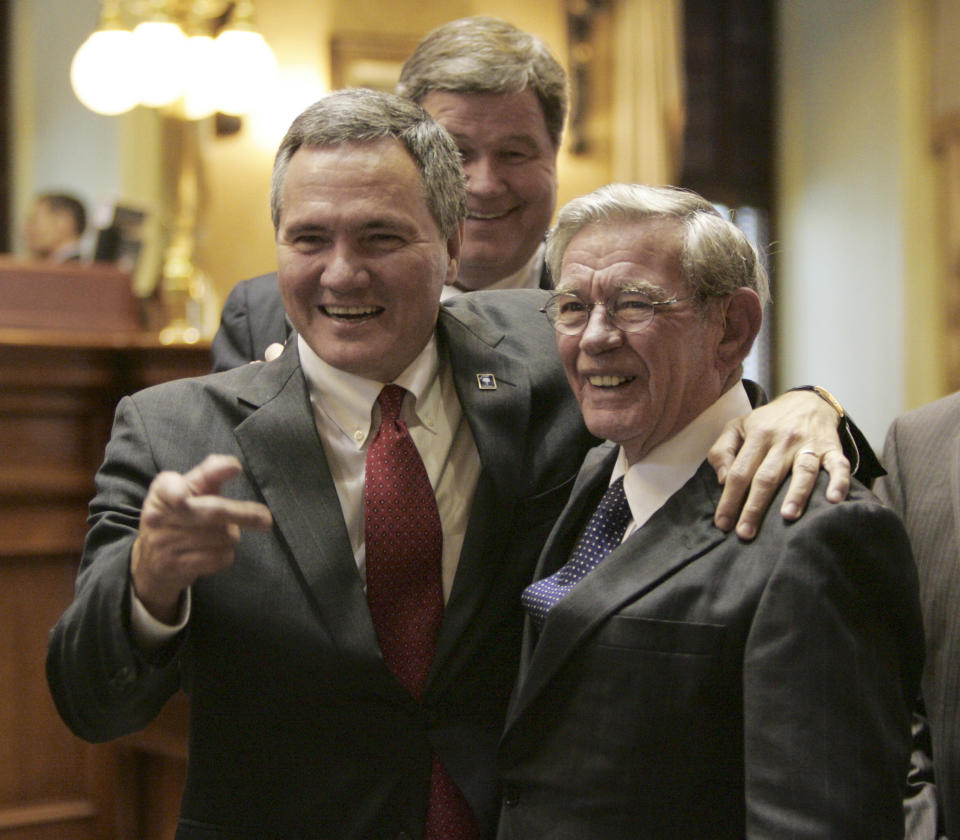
(58, 390)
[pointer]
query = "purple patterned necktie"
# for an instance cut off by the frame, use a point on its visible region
(603, 533)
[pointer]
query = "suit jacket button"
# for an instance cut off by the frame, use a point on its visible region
(511, 795)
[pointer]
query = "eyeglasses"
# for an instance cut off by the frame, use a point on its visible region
(626, 310)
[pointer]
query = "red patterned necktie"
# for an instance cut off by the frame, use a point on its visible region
(404, 542)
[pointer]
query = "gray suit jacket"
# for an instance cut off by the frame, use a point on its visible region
(297, 728)
(696, 687)
(922, 457)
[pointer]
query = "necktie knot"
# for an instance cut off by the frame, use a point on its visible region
(390, 401)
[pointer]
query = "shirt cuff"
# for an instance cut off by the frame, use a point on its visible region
(150, 634)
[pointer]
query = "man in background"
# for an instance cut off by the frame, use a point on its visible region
(676, 682)
(53, 228)
(922, 458)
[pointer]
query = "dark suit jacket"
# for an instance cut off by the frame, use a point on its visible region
(694, 687)
(922, 457)
(253, 318)
(297, 728)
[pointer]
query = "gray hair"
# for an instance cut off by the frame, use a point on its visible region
(716, 257)
(363, 116)
(487, 55)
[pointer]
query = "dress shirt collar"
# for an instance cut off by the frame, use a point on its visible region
(347, 400)
(667, 467)
(526, 277)
(68, 252)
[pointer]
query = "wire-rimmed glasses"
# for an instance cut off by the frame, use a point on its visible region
(628, 310)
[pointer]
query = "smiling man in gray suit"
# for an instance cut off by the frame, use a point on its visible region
(922, 457)
(676, 682)
(242, 576)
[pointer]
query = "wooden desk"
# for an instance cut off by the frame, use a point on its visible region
(66, 296)
(58, 391)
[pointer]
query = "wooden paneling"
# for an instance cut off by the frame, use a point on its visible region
(58, 391)
(67, 296)
(729, 62)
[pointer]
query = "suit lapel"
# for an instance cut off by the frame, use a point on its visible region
(675, 535)
(954, 461)
(497, 418)
(589, 487)
(285, 459)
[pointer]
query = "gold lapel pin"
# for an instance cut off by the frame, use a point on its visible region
(486, 382)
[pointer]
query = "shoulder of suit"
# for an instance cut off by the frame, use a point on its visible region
(860, 499)
(940, 415)
(263, 288)
(267, 282)
(493, 315)
(227, 382)
(498, 302)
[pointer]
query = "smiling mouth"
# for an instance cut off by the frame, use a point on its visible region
(609, 381)
(351, 313)
(476, 215)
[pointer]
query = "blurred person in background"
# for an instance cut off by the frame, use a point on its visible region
(54, 228)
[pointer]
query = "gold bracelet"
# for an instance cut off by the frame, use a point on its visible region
(825, 395)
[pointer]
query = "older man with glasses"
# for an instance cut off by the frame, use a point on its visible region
(676, 682)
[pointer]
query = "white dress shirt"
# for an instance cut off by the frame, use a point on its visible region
(347, 415)
(648, 483)
(526, 277)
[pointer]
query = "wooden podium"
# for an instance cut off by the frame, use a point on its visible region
(66, 296)
(70, 347)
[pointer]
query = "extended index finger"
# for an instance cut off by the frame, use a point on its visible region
(212, 473)
(209, 510)
(192, 500)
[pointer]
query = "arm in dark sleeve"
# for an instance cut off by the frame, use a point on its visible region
(864, 464)
(253, 318)
(102, 684)
(831, 671)
(922, 817)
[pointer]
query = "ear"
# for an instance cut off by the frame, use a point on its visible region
(454, 243)
(742, 317)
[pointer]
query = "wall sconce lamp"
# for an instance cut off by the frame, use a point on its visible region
(195, 58)
(190, 59)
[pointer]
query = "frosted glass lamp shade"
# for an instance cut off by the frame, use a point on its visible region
(246, 69)
(200, 96)
(161, 66)
(101, 72)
